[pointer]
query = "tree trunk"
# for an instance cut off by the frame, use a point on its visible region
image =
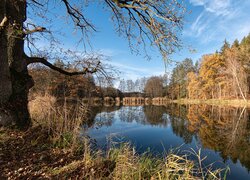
(220, 91)
(238, 84)
(5, 79)
(14, 78)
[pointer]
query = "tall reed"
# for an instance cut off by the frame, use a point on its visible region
(62, 120)
(121, 162)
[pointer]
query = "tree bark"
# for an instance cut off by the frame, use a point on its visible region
(5, 79)
(238, 84)
(14, 78)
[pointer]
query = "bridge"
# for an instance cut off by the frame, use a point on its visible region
(133, 101)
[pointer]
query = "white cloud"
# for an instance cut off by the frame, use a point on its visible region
(242, 30)
(218, 7)
(128, 67)
(197, 2)
(111, 52)
(200, 25)
(219, 20)
(131, 72)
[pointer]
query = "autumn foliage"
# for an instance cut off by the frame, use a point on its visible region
(222, 75)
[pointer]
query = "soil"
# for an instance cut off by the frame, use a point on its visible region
(30, 155)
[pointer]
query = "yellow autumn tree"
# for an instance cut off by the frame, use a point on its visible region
(210, 73)
(193, 86)
(236, 72)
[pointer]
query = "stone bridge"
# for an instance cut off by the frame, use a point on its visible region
(133, 101)
(159, 101)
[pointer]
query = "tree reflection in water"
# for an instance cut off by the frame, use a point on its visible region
(222, 129)
(177, 117)
(103, 115)
(154, 115)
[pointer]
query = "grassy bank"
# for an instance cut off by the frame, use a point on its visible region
(217, 102)
(32, 154)
(52, 149)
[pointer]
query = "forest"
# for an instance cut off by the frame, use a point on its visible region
(62, 114)
(224, 74)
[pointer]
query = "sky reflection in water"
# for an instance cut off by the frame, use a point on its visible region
(222, 133)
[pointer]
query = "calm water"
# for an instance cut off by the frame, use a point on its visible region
(223, 134)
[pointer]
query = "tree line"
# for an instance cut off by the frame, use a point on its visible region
(224, 74)
(59, 85)
(132, 86)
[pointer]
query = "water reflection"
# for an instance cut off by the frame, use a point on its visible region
(106, 115)
(221, 129)
(154, 115)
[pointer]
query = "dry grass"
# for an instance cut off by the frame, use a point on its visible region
(130, 165)
(217, 102)
(119, 162)
(41, 107)
(63, 122)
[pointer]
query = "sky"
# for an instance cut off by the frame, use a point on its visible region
(206, 25)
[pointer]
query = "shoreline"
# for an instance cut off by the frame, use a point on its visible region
(217, 102)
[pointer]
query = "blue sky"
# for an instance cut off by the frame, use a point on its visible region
(205, 28)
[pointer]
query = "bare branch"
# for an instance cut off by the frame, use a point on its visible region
(86, 70)
(36, 29)
(144, 23)
(4, 21)
(37, 3)
(77, 17)
(158, 22)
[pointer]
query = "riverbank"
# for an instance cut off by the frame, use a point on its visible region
(53, 149)
(216, 102)
(33, 154)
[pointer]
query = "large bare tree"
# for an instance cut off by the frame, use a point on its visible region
(154, 87)
(143, 22)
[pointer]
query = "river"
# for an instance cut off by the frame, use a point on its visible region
(221, 133)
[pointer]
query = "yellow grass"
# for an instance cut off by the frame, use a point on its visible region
(128, 165)
(218, 102)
